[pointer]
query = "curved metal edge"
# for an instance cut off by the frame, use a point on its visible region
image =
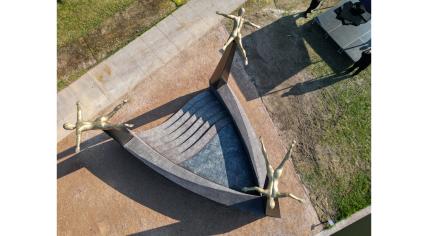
(247, 133)
(121, 135)
(193, 182)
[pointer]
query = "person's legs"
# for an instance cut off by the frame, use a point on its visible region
(314, 4)
(353, 67)
(360, 68)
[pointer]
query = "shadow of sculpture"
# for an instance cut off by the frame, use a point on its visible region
(278, 51)
(325, 47)
(111, 163)
(275, 53)
(123, 172)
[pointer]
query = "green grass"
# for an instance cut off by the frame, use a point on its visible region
(78, 17)
(90, 31)
(346, 133)
(349, 134)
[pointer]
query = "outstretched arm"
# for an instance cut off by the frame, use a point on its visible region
(252, 24)
(116, 109)
(225, 15)
(79, 112)
(289, 195)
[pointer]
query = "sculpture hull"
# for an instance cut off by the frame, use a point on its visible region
(207, 147)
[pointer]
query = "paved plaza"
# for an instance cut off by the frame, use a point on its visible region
(105, 190)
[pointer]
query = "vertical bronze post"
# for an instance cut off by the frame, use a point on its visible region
(222, 71)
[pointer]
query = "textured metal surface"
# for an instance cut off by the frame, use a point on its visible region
(246, 131)
(223, 160)
(192, 181)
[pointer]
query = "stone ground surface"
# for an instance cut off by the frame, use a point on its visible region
(104, 190)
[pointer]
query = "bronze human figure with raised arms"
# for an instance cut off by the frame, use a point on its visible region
(238, 22)
(272, 192)
(102, 122)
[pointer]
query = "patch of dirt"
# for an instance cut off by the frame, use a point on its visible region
(75, 58)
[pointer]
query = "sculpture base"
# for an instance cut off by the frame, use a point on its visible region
(275, 212)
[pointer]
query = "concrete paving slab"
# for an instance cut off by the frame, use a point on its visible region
(186, 16)
(177, 33)
(161, 45)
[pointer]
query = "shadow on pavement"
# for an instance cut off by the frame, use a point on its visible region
(122, 171)
(111, 163)
(278, 51)
(150, 116)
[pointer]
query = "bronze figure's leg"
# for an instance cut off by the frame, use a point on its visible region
(258, 189)
(78, 137)
(109, 126)
(116, 109)
(287, 156)
(231, 38)
(241, 47)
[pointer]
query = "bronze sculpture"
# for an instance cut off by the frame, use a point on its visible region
(238, 22)
(102, 122)
(272, 192)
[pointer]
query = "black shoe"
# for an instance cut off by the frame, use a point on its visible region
(349, 70)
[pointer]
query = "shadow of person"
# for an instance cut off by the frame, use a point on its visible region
(315, 84)
(111, 163)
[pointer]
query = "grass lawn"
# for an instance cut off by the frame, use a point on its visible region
(341, 128)
(77, 18)
(91, 30)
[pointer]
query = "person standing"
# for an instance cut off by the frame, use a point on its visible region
(314, 4)
(362, 63)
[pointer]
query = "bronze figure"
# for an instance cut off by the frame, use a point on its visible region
(272, 192)
(101, 122)
(238, 22)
